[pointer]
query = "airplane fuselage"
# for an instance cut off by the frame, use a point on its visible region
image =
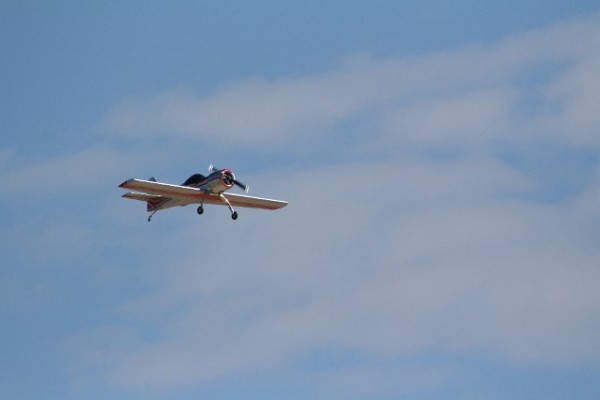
(215, 183)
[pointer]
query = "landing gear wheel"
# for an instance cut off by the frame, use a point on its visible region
(200, 210)
(234, 215)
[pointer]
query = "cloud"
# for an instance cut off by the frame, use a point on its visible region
(425, 236)
(436, 261)
(60, 175)
(465, 90)
(576, 93)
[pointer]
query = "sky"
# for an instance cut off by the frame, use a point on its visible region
(441, 161)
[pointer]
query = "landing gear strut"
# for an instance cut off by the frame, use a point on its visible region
(200, 209)
(234, 213)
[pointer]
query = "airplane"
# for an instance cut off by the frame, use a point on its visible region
(197, 189)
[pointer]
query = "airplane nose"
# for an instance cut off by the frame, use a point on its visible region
(228, 178)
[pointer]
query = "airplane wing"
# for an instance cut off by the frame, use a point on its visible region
(242, 200)
(184, 193)
(190, 195)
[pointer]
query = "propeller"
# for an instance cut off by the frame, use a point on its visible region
(239, 184)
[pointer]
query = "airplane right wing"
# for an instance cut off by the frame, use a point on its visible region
(241, 200)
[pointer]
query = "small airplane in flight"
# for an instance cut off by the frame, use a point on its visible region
(197, 189)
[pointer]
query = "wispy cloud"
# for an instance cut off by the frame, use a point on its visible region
(60, 175)
(469, 91)
(431, 262)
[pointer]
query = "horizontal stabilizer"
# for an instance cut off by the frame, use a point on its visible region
(142, 196)
(152, 200)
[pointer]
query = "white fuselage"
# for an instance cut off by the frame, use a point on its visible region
(216, 183)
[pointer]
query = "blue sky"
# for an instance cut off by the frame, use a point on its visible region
(441, 162)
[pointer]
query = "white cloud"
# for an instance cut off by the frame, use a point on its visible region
(432, 261)
(459, 121)
(467, 91)
(578, 93)
(61, 175)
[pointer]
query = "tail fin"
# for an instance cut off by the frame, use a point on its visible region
(150, 206)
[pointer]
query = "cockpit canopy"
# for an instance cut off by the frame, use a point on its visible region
(194, 180)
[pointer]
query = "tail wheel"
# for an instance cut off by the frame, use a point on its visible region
(200, 210)
(234, 215)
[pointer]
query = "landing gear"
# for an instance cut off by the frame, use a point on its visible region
(200, 209)
(234, 213)
(150, 216)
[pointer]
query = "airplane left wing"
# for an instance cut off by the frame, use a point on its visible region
(164, 189)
